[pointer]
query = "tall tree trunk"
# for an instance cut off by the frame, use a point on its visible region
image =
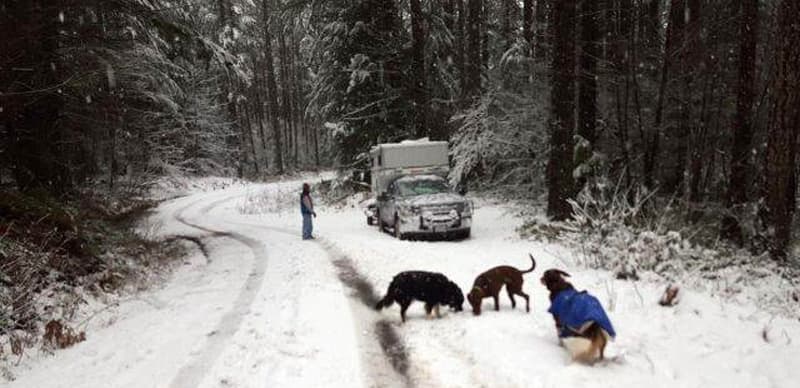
(690, 64)
(287, 97)
(461, 44)
(674, 37)
(33, 119)
(527, 23)
(419, 74)
(541, 28)
(781, 179)
(587, 82)
(297, 93)
(315, 135)
(486, 26)
(649, 23)
(508, 23)
(272, 88)
(743, 120)
(472, 79)
(562, 121)
(528, 35)
(260, 114)
(248, 134)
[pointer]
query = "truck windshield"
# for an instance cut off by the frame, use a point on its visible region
(421, 187)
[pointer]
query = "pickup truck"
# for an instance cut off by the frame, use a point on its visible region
(412, 197)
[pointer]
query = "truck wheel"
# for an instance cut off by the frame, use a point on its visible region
(397, 233)
(370, 221)
(465, 234)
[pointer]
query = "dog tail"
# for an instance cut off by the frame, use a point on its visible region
(385, 302)
(533, 264)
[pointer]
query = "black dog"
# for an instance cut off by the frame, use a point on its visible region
(430, 287)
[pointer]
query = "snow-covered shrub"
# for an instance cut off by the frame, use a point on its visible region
(274, 199)
(635, 233)
(501, 143)
(56, 257)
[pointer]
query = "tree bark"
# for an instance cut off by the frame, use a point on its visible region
(781, 179)
(260, 114)
(674, 37)
(541, 27)
(472, 80)
(743, 120)
(461, 43)
(272, 88)
(689, 67)
(33, 119)
(562, 121)
(587, 82)
(486, 25)
(527, 24)
(508, 23)
(418, 70)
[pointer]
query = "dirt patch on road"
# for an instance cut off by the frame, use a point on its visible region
(390, 341)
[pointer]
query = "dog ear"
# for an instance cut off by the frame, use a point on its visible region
(562, 273)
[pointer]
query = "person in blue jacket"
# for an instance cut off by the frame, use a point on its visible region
(307, 210)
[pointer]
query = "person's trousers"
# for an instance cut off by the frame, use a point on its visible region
(307, 226)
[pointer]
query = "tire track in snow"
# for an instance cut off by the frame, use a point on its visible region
(392, 345)
(389, 341)
(192, 374)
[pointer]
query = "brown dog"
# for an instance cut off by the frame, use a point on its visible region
(554, 280)
(581, 323)
(490, 282)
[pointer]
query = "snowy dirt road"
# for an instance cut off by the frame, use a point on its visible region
(266, 309)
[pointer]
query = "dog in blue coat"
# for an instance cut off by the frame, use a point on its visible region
(581, 322)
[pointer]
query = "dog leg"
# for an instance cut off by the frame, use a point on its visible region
(511, 296)
(603, 341)
(527, 300)
(428, 309)
(517, 289)
(496, 302)
(403, 307)
(436, 309)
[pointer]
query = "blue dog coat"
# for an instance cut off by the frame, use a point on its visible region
(574, 309)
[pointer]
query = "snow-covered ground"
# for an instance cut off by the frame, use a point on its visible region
(267, 309)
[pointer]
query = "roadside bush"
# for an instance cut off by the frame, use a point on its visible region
(635, 233)
(57, 253)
